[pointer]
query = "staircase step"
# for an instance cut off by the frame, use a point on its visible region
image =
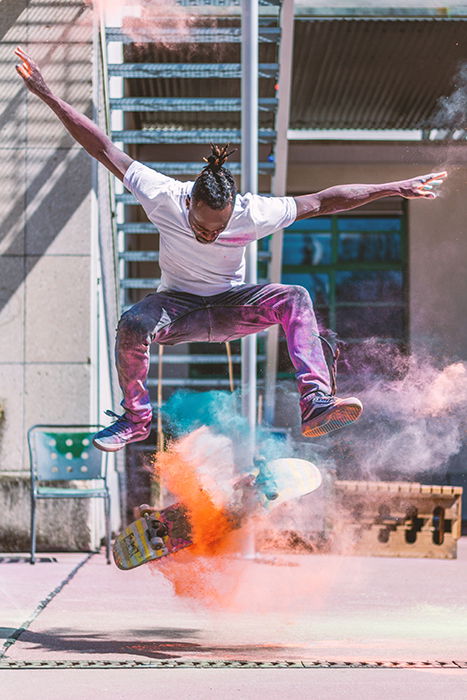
(139, 283)
(185, 382)
(187, 104)
(152, 282)
(198, 35)
(129, 199)
(179, 135)
(153, 255)
(140, 255)
(137, 227)
(172, 168)
(187, 70)
(126, 198)
(208, 5)
(198, 359)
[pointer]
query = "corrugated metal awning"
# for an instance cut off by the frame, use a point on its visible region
(376, 74)
(348, 73)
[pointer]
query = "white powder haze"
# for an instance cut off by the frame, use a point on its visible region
(412, 424)
(451, 112)
(161, 22)
(213, 456)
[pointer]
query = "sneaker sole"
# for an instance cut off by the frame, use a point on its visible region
(116, 448)
(336, 417)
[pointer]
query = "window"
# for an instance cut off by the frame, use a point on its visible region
(354, 267)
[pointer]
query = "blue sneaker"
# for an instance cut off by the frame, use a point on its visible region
(120, 433)
(324, 414)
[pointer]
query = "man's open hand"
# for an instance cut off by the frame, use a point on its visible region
(424, 186)
(29, 71)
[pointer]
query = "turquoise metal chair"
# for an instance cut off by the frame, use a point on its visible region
(65, 453)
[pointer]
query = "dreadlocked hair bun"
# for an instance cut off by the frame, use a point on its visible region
(215, 185)
(218, 157)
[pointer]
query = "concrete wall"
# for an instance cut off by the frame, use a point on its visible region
(45, 230)
(437, 229)
(47, 270)
(438, 277)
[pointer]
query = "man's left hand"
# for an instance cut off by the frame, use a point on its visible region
(424, 186)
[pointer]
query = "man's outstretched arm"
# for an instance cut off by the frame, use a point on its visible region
(82, 129)
(344, 197)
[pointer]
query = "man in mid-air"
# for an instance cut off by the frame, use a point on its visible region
(204, 228)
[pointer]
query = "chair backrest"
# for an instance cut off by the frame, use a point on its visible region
(65, 453)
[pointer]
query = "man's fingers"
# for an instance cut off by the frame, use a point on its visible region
(431, 184)
(22, 72)
(425, 193)
(436, 176)
(21, 53)
(27, 60)
(26, 67)
(427, 186)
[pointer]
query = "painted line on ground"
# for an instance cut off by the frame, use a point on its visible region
(206, 663)
(39, 608)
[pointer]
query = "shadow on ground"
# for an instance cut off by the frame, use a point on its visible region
(165, 648)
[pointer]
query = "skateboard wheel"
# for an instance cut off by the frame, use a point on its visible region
(157, 543)
(144, 509)
(156, 528)
(161, 529)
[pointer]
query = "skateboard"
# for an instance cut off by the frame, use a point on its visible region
(158, 533)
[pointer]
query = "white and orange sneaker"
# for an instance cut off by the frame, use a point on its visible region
(323, 414)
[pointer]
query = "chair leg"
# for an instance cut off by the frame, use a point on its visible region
(107, 528)
(33, 530)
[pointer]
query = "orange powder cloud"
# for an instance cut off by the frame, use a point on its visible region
(211, 524)
(205, 571)
(213, 572)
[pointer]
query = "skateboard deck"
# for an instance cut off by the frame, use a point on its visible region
(158, 533)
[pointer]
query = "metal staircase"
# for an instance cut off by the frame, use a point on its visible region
(157, 110)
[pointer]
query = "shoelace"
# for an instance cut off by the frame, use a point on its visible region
(318, 401)
(322, 398)
(120, 421)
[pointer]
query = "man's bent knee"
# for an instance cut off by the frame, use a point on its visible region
(136, 327)
(298, 293)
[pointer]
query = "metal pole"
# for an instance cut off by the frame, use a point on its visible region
(249, 156)
(279, 187)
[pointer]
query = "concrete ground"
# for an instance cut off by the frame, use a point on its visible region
(295, 609)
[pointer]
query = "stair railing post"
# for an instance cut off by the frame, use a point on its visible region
(249, 158)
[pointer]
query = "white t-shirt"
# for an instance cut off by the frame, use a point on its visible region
(187, 265)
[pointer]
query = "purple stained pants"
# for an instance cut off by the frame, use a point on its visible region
(169, 318)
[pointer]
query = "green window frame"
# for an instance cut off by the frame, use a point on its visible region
(363, 255)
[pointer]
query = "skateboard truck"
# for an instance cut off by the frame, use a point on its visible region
(156, 529)
(265, 482)
(256, 485)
